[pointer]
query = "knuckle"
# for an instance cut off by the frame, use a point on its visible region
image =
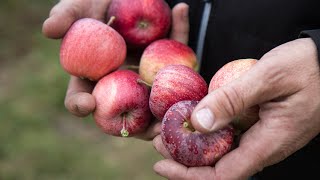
(54, 10)
(76, 107)
(155, 142)
(230, 101)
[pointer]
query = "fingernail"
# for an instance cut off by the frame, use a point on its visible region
(185, 13)
(205, 118)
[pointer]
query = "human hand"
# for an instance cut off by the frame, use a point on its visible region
(79, 100)
(285, 83)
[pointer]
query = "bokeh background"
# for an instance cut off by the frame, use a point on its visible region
(39, 139)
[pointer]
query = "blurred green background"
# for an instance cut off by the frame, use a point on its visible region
(39, 139)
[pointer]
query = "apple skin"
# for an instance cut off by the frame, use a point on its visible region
(164, 52)
(140, 22)
(228, 73)
(91, 49)
(121, 104)
(172, 84)
(188, 146)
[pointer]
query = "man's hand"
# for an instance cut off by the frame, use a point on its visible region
(79, 100)
(285, 83)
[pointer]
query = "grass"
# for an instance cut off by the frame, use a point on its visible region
(39, 138)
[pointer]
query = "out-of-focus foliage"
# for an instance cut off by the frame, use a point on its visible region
(39, 139)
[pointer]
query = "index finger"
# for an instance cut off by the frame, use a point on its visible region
(67, 12)
(60, 19)
(180, 23)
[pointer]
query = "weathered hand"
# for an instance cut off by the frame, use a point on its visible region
(79, 100)
(285, 83)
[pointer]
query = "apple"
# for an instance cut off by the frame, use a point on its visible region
(140, 22)
(121, 104)
(165, 52)
(227, 73)
(91, 49)
(189, 147)
(172, 84)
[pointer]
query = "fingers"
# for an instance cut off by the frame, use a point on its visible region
(180, 23)
(61, 18)
(67, 12)
(159, 146)
(258, 148)
(170, 169)
(153, 130)
(261, 83)
(78, 99)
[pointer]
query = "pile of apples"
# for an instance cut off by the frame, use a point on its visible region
(167, 86)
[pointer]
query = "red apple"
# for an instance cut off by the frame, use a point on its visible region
(229, 72)
(188, 146)
(165, 52)
(91, 49)
(172, 84)
(140, 22)
(121, 104)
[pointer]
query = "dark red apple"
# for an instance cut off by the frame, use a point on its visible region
(165, 52)
(230, 72)
(121, 104)
(91, 49)
(188, 146)
(172, 84)
(140, 22)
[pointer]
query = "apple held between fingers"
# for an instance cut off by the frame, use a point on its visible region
(91, 49)
(140, 22)
(188, 146)
(227, 73)
(121, 104)
(172, 84)
(164, 52)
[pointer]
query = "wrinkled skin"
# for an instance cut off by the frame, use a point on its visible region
(285, 83)
(79, 100)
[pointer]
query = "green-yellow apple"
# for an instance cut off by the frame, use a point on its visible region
(162, 53)
(230, 72)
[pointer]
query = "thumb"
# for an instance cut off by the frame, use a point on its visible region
(180, 23)
(222, 105)
(66, 12)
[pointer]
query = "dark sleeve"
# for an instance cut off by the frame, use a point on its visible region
(315, 36)
(174, 2)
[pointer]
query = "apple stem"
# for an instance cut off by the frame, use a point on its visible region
(112, 18)
(143, 82)
(196, 68)
(143, 24)
(124, 132)
(188, 126)
(133, 67)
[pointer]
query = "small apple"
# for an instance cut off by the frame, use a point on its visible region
(121, 104)
(91, 49)
(188, 146)
(165, 52)
(140, 22)
(229, 72)
(172, 84)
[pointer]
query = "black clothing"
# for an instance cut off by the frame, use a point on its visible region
(249, 29)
